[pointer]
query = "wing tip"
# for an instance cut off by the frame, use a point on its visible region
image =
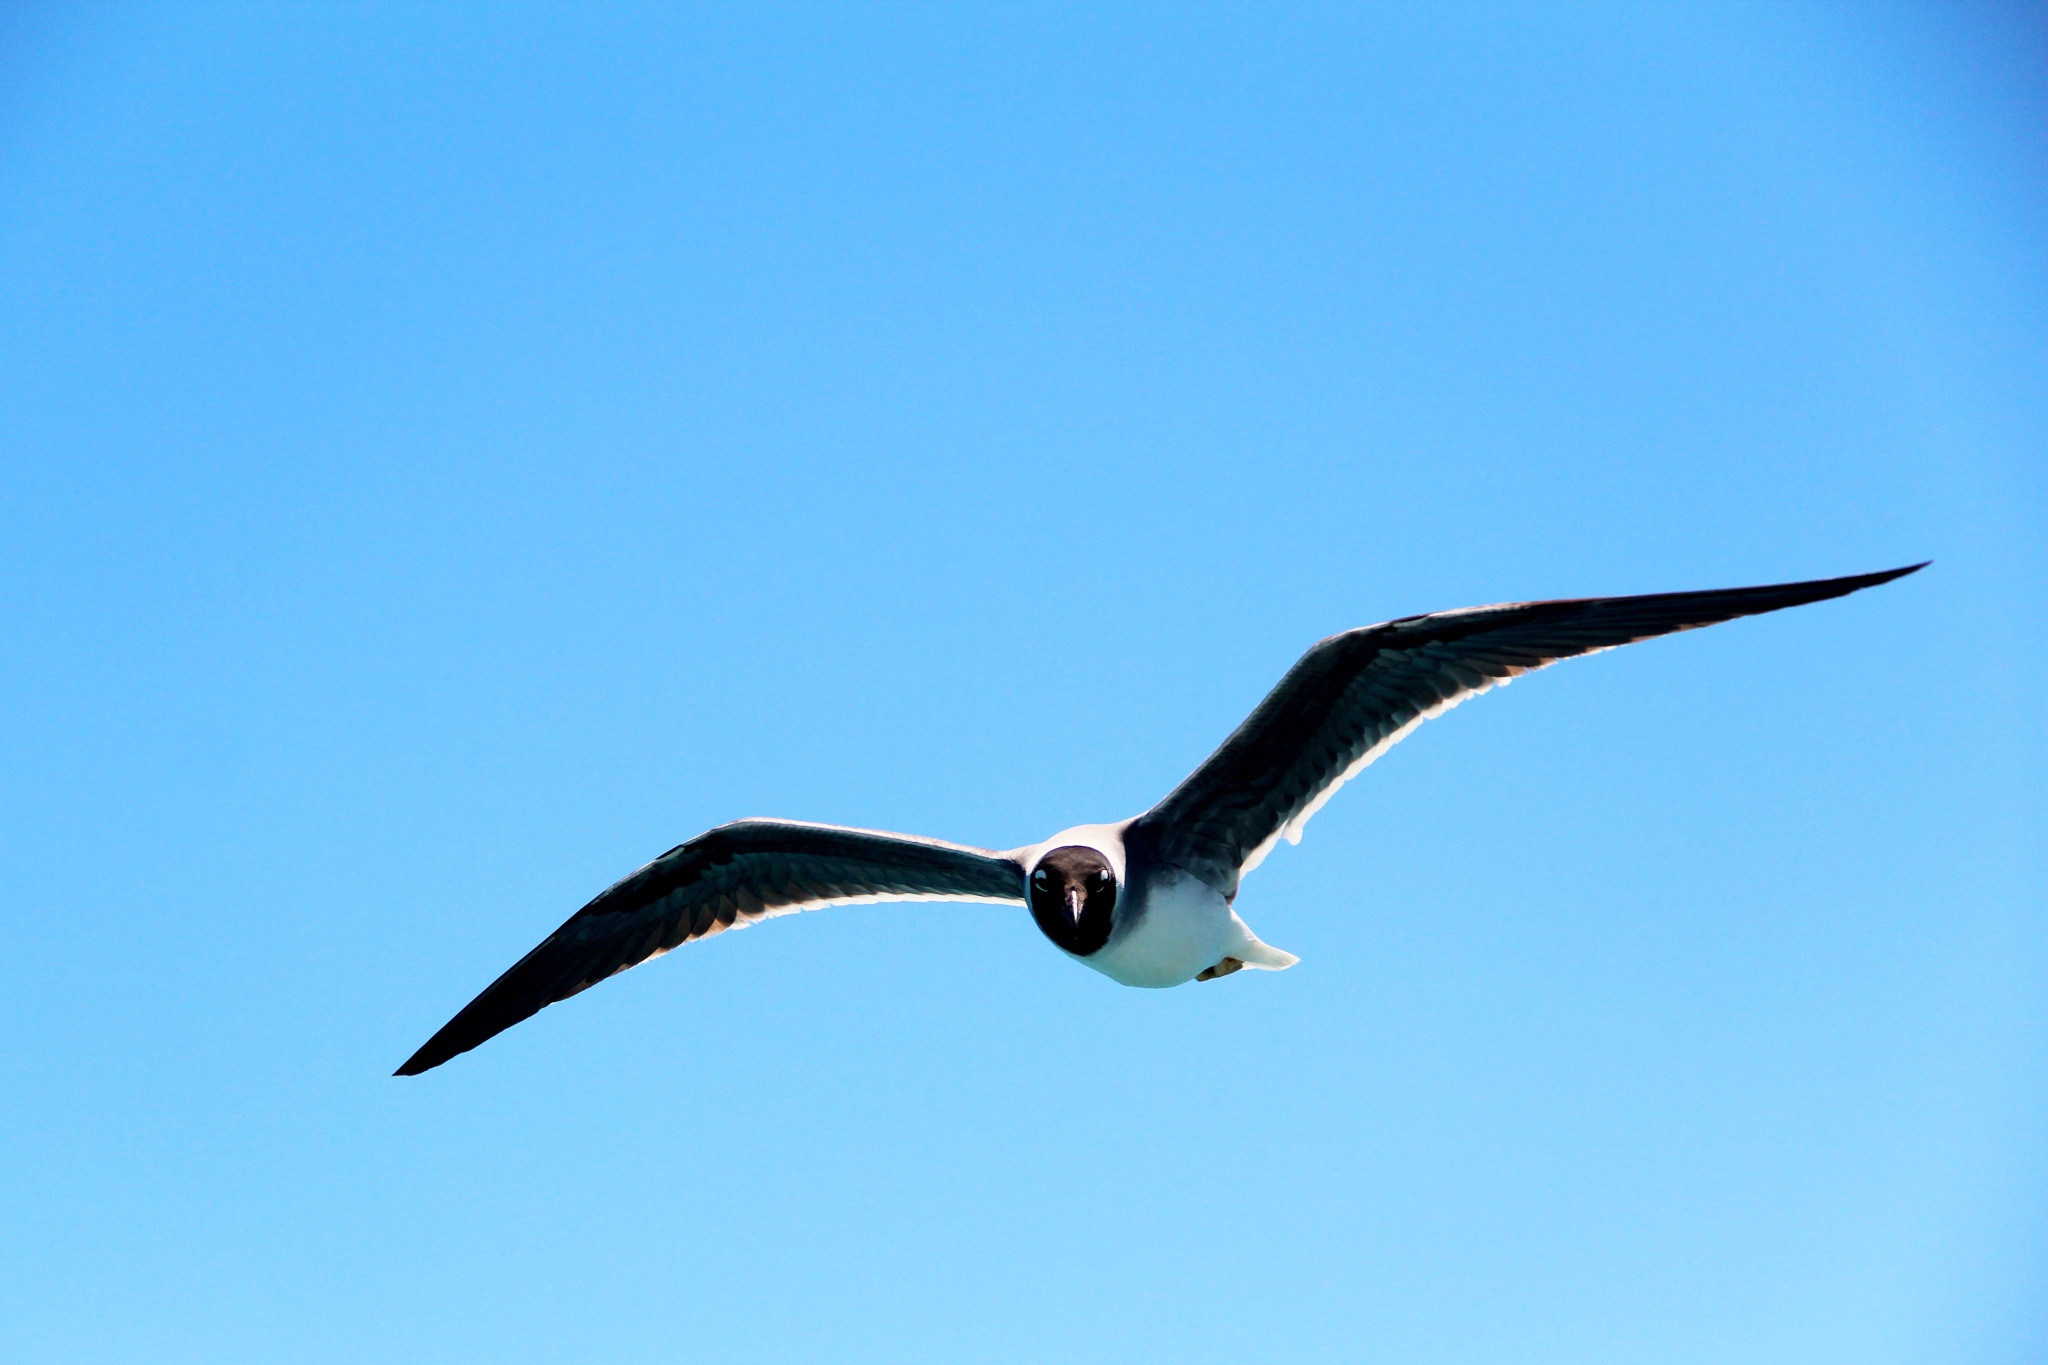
(421, 1062)
(1848, 583)
(449, 1043)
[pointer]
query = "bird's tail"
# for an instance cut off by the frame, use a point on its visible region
(1266, 957)
(1253, 953)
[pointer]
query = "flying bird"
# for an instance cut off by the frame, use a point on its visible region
(1148, 901)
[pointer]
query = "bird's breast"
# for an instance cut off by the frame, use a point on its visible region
(1172, 926)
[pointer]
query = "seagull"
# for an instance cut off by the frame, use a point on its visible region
(1148, 901)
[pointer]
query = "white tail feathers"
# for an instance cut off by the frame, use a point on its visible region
(1247, 948)
(1265, 956)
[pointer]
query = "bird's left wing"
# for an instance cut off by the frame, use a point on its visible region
(736, 874)
(1355, 695)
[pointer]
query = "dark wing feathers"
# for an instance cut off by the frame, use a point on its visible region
(736, 874)
(1354, 695)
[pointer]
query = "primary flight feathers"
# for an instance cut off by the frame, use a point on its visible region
(1147, 901)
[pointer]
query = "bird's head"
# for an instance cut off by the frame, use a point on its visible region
(1073, 898)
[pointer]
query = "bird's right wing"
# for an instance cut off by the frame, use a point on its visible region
(1355, 695)
(736, 874)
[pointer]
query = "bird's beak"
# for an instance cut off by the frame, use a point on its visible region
(1077, 902)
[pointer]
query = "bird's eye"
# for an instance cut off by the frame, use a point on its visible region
(1039, 875)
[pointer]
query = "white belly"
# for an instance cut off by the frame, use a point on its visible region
(1185, 926)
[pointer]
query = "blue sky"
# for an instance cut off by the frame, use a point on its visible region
(449, 455)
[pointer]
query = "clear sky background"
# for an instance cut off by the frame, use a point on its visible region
(449, 455)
